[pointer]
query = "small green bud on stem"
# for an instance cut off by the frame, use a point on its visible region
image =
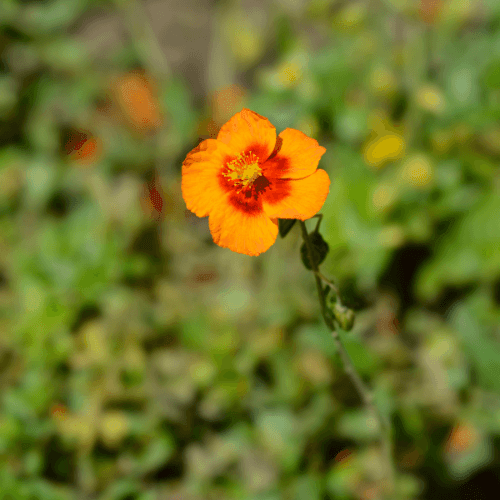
(343, 316)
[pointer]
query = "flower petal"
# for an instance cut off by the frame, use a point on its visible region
(250, 233)
(200, 170)
(297, 157)
(296, 199)
(248, 131)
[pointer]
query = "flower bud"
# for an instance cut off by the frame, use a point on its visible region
(344, 316)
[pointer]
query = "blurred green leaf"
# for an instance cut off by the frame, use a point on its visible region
(178, 106)
(363, 359)
(278, 432)
(468, 251)
(358, 425)
(38, 19)
(483, 351)
(156, 453)
(316, 336)
(121, 489)
(307, 488)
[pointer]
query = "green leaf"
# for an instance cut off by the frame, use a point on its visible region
(320, 250)
(285, 225)
(277, 430)
(157, 453)
(307, 488)
(358, 425)
(484, 352)
(469, 251)
(316, 337)
(118, 490)
(178, 104)
(363, 359)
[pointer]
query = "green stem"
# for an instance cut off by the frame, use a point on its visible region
(349, 368)
(330, 283)
(320, 217)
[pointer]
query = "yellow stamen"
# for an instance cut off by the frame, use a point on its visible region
(244, 169)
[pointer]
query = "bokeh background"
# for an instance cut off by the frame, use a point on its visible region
(138, 360)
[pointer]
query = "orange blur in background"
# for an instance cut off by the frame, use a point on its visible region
(137, 97)
(83, 148)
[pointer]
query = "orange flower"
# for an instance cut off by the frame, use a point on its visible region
(137, 96)
(461, 438)
(83, 148)
(247, 178)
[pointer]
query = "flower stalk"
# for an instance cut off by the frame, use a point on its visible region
(364, 392)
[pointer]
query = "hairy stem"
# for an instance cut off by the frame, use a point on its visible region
(349, 368)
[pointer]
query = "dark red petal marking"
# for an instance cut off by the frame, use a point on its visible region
(277, 147)
(259, 150)
(276, 167)
(249, 199)
(225, 183)
(278, 190)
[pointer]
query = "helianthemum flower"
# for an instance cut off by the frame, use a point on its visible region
(247, 179)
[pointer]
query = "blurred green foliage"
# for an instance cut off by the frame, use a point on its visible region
(140, 361)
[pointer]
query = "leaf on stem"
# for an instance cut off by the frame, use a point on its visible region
(320, 250)
(284, 226)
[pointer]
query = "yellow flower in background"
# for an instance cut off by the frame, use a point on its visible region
(383, 81)
(245, 36)
(383, 149)
(457, 11)
(291, 70)
(379, 122)
(114, 427)
(430, 98)
(442, 141)
(417, 171)
(384, 197)
(289, 74)
(391, 236)
(351, 16)
(77, 428)
(309, 125)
